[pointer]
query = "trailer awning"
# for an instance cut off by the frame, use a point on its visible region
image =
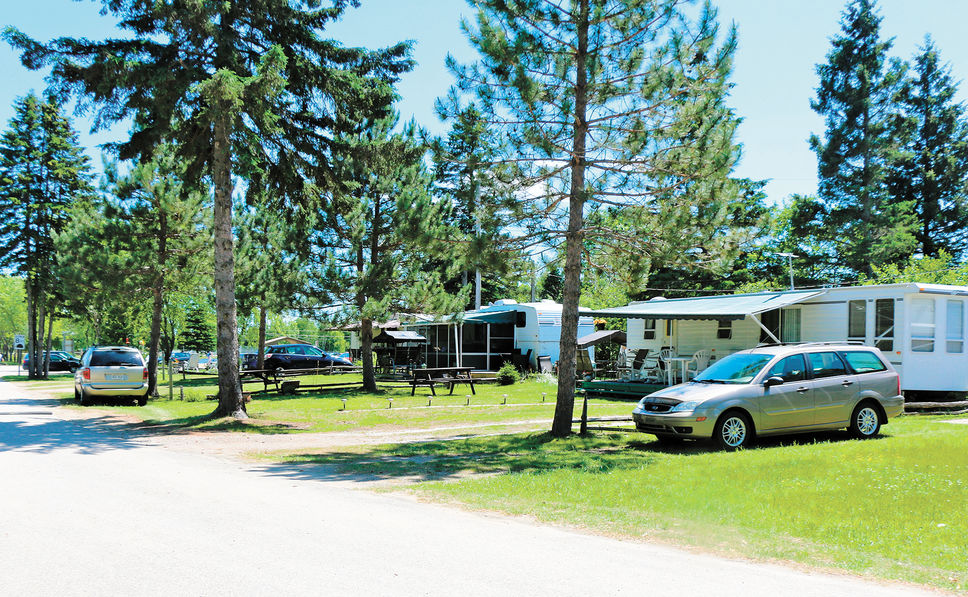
(491, 317)
(722, 308)
(616, 336)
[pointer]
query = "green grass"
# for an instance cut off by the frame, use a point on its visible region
(324, 411)
(892, 508)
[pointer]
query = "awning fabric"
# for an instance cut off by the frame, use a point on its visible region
(723, 308)
(616, 336)
(394, 336)
(491, 317)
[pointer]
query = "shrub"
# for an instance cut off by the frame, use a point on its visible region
(507, 374)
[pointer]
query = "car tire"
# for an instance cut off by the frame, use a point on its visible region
(142, 400)
(77, 396)
(82, 398)
(865, 421)
(733, 431)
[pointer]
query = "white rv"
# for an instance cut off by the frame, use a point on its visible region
(485, 337)
(919, 327)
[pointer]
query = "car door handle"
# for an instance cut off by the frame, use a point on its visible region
(802, 390)
(847, 382)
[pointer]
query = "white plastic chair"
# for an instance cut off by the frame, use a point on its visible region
(699, 361)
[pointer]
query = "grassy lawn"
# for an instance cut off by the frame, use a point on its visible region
(324, 411)
(892, 508)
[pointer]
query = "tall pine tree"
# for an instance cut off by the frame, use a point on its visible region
(857, 98)
(232, 83)
(604, 104)
(931, 171)
(42, 172)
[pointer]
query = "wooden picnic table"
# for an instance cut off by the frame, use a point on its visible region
(449, 376)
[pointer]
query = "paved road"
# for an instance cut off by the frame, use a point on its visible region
(88, 509)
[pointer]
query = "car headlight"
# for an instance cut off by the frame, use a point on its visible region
(684, 407)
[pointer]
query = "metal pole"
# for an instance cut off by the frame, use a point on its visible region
(790, 260)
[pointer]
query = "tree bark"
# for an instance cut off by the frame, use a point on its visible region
(31, 329)
(565, 403)
(158, 303)
(261, 357)
(50, 333)
(366, 351)
(230, 401)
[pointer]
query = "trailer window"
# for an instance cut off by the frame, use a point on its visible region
(857, 320)
(725, 331)
(790, 325)
(649, 329)
(955, 327)
(922, 325)
(884, 324)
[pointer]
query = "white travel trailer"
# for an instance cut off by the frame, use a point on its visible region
(487, 336)
(919, 327)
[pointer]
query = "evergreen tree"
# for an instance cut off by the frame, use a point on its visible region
(857, 98)
(272, 258)
(604, 104)
(198, 334)
(382, 227)
(42, 172)
(232, 84)
(144, 240)
(932, 170)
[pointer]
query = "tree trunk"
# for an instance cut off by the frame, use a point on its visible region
(31, 329)
(230, 401)
(366, 351)
(565, 403)
(260, 360)
(50, 333)
(153, 341)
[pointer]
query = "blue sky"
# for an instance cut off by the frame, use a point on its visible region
(780, 43)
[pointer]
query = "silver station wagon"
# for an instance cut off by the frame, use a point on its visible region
(773, 390)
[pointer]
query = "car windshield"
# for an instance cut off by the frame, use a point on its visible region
(736, 368)
(116, 358)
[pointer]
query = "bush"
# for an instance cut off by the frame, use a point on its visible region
(507, 374)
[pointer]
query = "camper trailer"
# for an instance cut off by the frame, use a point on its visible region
(485, 338)
(919, 327)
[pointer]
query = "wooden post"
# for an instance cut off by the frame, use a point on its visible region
(583, 430)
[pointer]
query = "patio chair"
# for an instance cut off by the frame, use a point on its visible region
(544, 364)
(700, 360)
(583, 364)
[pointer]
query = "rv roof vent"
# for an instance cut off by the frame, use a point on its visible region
(500, 302)
(658, 298)
(552, 301)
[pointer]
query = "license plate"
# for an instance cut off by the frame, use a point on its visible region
(116, 377)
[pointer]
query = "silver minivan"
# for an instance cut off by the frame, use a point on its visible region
(111, 372)
(779, 389)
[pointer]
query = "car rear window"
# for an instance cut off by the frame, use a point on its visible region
(116, 358)
(863, 361)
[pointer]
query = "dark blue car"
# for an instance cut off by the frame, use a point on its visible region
(296, 356)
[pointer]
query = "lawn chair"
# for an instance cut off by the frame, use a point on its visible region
(699, 361)
(544, 364)
(193, 362)
(583, 364)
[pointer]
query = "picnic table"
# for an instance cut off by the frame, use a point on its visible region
(449, 376)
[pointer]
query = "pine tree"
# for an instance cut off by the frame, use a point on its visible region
(198, 334)
(604, 104)
(383, 225)
(931, 171)
(857, 98)
(145, 239)
(232, 84)
(42, 172)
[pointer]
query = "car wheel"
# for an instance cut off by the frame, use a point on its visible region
(143, 400)
(77, 396)
(733, 431)
(865, 422)
(83, 398)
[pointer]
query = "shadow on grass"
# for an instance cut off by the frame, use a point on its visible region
(456, 458)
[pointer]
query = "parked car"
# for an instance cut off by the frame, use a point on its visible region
(296, 356)
(774, 390)
(59, 361)
(115, 372)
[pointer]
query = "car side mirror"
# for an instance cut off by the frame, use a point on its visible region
(773, 381)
